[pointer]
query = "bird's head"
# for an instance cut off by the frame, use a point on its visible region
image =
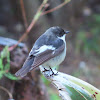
(58, 31)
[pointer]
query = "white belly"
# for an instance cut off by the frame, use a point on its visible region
(56, 60)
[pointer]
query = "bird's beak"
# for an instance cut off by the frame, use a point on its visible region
(67, 32)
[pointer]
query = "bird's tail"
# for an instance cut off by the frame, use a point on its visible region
(22, 72)
(26, 68)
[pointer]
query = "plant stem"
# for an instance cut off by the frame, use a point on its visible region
(53, 9)
(10, 95)
(23, 13)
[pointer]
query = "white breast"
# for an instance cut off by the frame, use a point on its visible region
(58, 59)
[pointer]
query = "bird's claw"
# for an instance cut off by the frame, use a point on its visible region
(53, 72)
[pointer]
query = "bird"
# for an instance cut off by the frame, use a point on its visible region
(48, 51)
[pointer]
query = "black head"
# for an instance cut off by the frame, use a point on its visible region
(58, 31)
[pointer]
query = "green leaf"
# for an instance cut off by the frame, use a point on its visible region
(71, 88)
(86, 90)
(7, 66)
(4, 53)
(77, 93)
(45, 81)
(11, 76)
(52, 94)
(1, 65)
(1, 74)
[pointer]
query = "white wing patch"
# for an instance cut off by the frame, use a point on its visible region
(43, 49)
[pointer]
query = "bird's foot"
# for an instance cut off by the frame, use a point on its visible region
(45, 70)
(49, 72)
(53, 72)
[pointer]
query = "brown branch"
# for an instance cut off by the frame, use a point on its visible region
(23, 13)
(34, 20)
(53, 9)
(46, 6)
(4, 89)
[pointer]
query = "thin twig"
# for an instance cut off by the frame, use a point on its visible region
(34, 20)
(10, 95)
(46, 6)
(23, 13)
(53, 9)
(36, 17)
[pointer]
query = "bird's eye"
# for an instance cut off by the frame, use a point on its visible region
(62, 33)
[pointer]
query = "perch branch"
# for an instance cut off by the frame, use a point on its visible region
(69, 87)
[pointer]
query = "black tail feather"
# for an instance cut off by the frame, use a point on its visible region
(23, 71)
(26, 67)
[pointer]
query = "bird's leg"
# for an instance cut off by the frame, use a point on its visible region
(52, 71)
(45, 70)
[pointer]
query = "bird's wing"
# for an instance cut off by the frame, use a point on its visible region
(46, 55)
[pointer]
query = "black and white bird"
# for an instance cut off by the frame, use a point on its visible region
(49, 50)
